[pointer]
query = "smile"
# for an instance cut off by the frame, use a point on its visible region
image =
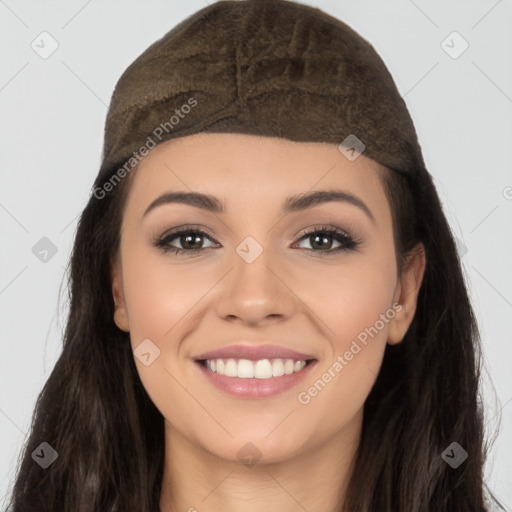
(255, 379)
(260, 369)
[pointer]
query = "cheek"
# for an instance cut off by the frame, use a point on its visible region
(159, 294)
(161, 298)
(355, 303)
(165, 298)
(356, 313)
(350, 298)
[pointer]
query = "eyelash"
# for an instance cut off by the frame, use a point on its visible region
(349, 243)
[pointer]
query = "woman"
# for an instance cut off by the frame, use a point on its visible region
(220, 352)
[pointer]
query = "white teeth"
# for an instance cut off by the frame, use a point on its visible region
(261, 369)
(297, 366)
(231, 368)
(288, 367)
(277, 368)
(245, 369)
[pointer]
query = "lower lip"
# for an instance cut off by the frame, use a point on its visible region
(255, 388)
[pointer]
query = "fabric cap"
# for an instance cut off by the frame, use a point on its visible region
(261, 67)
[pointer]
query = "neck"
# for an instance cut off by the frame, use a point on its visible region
(313, 479)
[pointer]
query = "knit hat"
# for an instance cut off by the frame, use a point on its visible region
(263, 67)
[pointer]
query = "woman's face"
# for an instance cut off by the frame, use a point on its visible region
(266, 279)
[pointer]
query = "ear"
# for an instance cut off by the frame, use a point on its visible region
(406, 294)
(120, 312)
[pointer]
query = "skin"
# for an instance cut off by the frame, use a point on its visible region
(188, 304)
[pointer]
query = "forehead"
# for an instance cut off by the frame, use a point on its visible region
(243, 170)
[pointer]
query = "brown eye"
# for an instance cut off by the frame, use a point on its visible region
(321, 240)
(190, 240)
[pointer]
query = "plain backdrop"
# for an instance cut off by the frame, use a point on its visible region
(51, 126)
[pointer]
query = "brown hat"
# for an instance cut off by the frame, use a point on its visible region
(263, 67)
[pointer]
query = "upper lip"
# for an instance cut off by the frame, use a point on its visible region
(254, 352)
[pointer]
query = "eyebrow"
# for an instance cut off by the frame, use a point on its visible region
(293, 203)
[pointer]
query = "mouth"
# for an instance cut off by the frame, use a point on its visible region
(255, 379)
(259, 369)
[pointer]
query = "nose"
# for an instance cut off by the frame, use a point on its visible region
(257, 292)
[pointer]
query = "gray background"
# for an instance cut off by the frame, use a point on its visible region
(52, 118)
